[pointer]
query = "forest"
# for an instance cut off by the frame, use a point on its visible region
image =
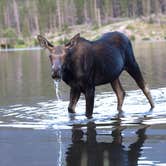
(27, 18)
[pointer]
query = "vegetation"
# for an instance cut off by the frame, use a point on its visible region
(23, 20)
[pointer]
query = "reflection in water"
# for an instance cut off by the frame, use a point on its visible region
(112, 153)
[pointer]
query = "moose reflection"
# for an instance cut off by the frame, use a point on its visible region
(111, 152)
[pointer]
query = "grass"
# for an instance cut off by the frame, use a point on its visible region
(130, 27)
(146, 38)
(136, 30)
(132, 37)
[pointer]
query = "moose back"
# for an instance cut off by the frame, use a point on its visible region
(84, 64)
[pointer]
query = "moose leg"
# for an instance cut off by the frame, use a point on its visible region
(118, 89)
(89, 97)
(74, 96)
(135, 72)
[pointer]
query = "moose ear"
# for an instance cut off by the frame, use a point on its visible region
(44, 43)
(73, 41)
(76, 37)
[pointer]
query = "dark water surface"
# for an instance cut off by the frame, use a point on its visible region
(36, 130)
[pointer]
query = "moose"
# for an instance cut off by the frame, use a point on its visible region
(84, 64)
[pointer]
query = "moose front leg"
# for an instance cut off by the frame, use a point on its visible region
(74, 96)
(89, 97)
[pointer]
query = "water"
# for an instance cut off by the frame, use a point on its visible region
(56, 86)
(36, 129)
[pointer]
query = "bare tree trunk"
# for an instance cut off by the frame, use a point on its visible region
(7, 16)
(62, 17)
(73, 11)
(85, 12)
(99, 17)
(163, 6)
(28, 22)
(16, 15)
(116, 8)
(157, 11)
(148, 7)
(95, 10)
(59, 15)
(36, 21)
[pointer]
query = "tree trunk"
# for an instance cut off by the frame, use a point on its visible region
(7, 16)
(36, 20)
(16, 15)
(85, 12)
(59, 15)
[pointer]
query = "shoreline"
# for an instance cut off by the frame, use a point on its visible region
(138, 30)
(39, 48)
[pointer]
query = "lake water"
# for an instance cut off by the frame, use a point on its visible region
(36, 129)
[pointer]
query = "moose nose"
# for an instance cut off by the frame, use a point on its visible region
(56, 74)
(53, 75)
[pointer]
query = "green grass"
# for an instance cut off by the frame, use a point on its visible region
(146, 38)
(130, 27)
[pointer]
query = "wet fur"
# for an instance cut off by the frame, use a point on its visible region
(92, 63)
(84, 64)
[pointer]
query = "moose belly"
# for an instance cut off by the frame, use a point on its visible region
(108, 72)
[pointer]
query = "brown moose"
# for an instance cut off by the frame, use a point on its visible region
(84, 64)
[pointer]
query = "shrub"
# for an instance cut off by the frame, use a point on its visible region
(63, 41)
(9, 33)
(95, 27)
(132, 37)
(131, 27)
(146, 38)
(66, 29)
(20, 41)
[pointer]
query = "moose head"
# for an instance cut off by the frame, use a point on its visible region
(57, 54)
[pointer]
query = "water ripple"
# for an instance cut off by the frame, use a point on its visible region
(53, 114)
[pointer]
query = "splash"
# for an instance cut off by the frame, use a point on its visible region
(56, 86)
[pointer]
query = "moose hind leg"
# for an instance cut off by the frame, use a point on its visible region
(135, 72)
(120, 93)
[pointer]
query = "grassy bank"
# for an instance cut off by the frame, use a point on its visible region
(142, 29)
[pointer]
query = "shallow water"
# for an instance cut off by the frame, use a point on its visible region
(35, 128)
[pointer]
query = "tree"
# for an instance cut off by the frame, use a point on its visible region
(16, 16)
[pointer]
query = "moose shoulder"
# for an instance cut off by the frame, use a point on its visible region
(84, 64)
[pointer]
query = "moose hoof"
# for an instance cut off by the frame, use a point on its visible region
(152, 106)
(70, 110)
(88, 116)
